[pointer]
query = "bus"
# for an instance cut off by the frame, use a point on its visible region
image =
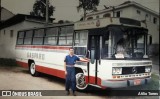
(116, 47)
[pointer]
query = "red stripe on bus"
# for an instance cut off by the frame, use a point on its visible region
(43, 47)
(59, 73)
(92, 80)
(23, 64)
(50, 71)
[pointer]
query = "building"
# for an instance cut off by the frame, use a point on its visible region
(9, 28)
(133, 10)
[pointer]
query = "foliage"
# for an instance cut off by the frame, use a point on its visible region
(39, 9)
(88, 5)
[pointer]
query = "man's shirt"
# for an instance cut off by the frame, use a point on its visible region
(71, 60)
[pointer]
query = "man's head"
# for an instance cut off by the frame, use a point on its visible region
(125, 35)
(71, 51)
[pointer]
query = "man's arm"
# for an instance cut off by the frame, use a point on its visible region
(84, 60)
(65, 68)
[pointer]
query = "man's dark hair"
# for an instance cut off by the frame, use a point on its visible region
(71, 48)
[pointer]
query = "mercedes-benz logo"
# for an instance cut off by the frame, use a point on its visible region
(134, 70)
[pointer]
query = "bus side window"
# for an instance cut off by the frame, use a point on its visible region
(81, 38)
(51, 36)
(92, 50)
(66, 35)
(38, 37)
(28, 37)
(105, 44)
(20, 37)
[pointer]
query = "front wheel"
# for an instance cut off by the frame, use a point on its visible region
(32, 69)
(80, 81)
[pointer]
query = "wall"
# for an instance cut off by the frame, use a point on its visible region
(131, 12)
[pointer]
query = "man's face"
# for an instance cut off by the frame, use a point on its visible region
(71, 51)
(125, 36)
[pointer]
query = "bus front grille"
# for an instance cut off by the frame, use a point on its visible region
(133, 70)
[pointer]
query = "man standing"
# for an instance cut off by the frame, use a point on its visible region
(69, 68)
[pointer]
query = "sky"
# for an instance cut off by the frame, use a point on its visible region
(66, 9)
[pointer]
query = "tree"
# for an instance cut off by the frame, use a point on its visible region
(64, 21)
(88, 5)
(39, 9)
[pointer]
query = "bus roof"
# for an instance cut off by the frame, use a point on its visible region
(49, 26)
(104, 22)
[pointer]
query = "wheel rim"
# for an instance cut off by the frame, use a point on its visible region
(80, 81)
(32, 68)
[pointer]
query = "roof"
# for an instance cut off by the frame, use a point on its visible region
(126, 4)
(22, 17)
(7, 10)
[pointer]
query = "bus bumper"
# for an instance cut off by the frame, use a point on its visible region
(124, 83)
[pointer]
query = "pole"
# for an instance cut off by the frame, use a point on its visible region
(0, 10)
(47, 11)
(113, 11)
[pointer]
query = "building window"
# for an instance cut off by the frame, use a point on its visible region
(11, 33)
(154, 20)
(89, 18)
(107, 15)
(138, 12)
(118, 14)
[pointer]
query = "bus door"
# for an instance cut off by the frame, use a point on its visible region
(94, 50)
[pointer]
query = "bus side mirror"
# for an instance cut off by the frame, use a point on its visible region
(150, 40)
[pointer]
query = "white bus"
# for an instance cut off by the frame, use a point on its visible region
(44, 49)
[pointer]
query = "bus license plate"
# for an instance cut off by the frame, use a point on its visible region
(137, 82)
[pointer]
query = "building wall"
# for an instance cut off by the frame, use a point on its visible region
(125, 12)
(143, 15)
(5, 14)
(153, 28)
(154, 31)
(8, 41)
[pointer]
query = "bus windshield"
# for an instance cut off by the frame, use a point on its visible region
(125, 43)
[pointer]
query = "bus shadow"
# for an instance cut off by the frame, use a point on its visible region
(52, 78)
(47, 77)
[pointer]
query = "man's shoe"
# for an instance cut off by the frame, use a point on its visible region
(74, 94)
(68, 92)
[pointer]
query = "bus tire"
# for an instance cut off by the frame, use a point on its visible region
(80, 81)
(32, 69)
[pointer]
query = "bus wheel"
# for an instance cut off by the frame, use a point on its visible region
(80, 81)
(32, 69)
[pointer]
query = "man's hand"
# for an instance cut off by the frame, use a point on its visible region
(88, 60)
(65, 72)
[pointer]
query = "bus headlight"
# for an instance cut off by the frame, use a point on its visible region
(148, 69)
(117, 70)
